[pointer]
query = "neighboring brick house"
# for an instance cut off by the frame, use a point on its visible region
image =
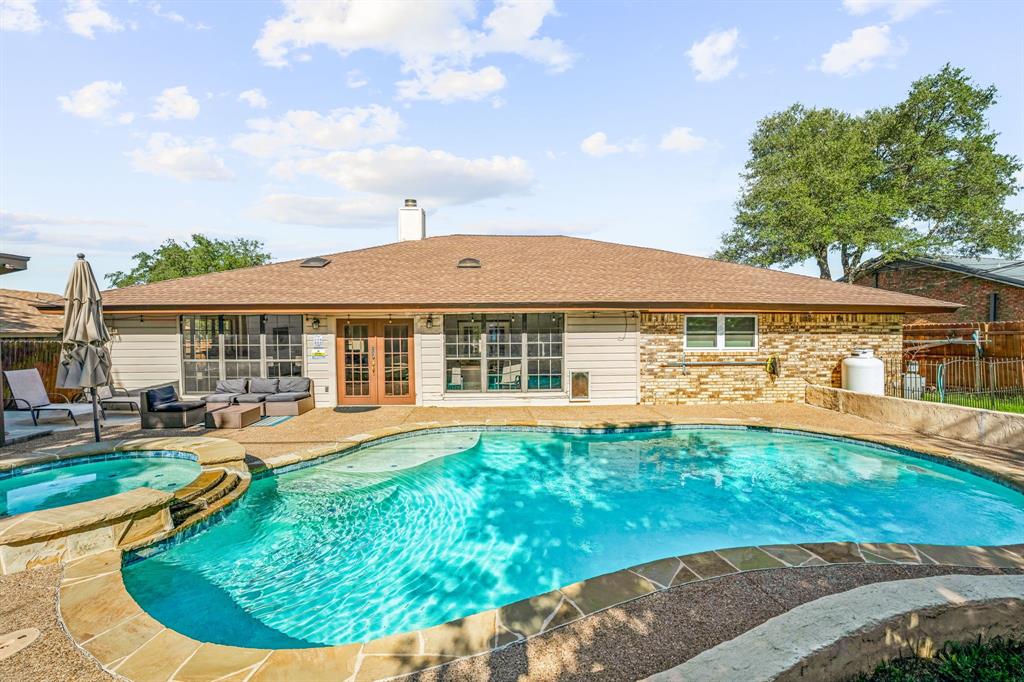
(504, 320)
(990, 289)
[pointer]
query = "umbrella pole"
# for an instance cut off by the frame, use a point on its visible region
(95, 416)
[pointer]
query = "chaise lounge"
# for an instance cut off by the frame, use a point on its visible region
(287, 396)
(161, 408)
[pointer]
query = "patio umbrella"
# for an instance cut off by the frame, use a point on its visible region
(85, 362)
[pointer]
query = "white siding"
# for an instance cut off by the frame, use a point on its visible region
(607, 345)
(429, 361)
(144, 353)
(323, 371)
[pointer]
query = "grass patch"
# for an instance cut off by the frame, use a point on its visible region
(1013, 404)
(995, 660)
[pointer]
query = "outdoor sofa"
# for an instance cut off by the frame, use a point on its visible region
(287, 396)
(161, 408)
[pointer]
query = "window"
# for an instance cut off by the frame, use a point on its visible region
(501, 353)
(721, 332)
(217, 347)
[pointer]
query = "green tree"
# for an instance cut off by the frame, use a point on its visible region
(922, 177)
(203, 255)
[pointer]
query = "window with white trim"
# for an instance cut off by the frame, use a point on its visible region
(504, 352)
(720, 332)
(235, 346)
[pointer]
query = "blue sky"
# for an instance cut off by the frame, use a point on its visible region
(304, 125)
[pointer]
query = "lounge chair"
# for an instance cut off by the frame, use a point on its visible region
(28, 393)
(117, 396)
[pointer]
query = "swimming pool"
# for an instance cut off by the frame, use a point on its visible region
(56, 484)
(398, 537)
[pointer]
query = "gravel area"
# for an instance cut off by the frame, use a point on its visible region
(28, 600)
(660, 631)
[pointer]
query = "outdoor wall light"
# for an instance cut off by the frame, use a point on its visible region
(430, 321)
(316, 323)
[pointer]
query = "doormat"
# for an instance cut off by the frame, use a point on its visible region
(355, 409)
(272, 421)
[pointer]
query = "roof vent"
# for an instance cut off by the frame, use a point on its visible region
(469, 263)
(314, 262)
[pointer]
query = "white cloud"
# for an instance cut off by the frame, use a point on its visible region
(254, 98)
(682, 140)
(295, 209)
(35, 230)
(175, 103)
(714, 57)
(862, 51)
(96, 100)
(355, 79)
(451, 84)
(438, 177)
(174, 157)
(434, 40)
(83, 17)
(598, 145)
(303, 132)
(19, 15)
(898, 10)
(169, 15)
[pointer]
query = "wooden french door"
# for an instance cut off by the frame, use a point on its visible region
(375, 362)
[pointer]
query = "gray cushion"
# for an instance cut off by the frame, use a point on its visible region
(287, 397)
(252, 397)
(221, 397)
(179, 406)
(230, 386)
(293, 385)
(262, 385)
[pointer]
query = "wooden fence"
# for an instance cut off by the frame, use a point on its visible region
(39, 354)
(998, 339)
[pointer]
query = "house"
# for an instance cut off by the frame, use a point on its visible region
(503, 320)
(21, 318)
(989, 289)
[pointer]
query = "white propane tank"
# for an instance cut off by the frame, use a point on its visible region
(864, 372)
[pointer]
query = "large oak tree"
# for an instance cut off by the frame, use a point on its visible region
(921, 177)
(203, 255)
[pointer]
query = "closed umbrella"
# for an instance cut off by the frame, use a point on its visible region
(85, 362)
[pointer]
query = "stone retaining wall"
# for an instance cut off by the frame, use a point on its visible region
(969, 424)
(809, 346)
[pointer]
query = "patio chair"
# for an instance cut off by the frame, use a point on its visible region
(28, 393)
(108, 396)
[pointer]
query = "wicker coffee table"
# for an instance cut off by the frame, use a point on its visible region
(233, 417)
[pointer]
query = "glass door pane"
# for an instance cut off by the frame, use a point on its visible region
(357, 359)
(396, 359)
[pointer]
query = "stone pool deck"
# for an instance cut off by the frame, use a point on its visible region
(626, 625)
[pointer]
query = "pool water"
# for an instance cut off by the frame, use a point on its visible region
(45, 487)
(345, 551)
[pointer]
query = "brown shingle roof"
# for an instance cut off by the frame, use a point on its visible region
(19, 315)
(516, 271)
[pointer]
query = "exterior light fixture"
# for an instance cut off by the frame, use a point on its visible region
(316, 323)
(430, 321)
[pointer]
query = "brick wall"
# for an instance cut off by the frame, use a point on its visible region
(810, 348)
(944, 285)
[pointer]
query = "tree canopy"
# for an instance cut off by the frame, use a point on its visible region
(203, 255)
(921, 177)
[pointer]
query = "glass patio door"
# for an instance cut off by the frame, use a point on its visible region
(375, 362)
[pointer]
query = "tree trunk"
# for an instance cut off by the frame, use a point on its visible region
(822, 258)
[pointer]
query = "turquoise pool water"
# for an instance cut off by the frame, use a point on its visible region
(389, 540)
(44, 487)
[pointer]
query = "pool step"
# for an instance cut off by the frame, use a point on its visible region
(203, 483)
(182, 511)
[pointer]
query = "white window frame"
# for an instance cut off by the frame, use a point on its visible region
(720, 334)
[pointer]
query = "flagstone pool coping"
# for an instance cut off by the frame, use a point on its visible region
(104, 620)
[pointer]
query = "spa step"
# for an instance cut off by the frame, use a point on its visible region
(205, 482)
(182, 511)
